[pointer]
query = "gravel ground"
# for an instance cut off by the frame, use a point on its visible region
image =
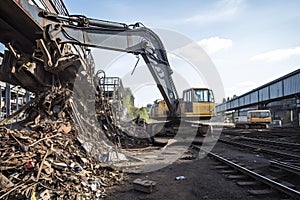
(202, 182)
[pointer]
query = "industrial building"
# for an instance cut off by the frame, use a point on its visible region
(280, 96)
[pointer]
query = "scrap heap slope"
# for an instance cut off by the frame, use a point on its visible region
(55, 151)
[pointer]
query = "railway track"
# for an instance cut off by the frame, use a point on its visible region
(282, 134)
(261, 149)
(247, 174)
(286, 166)
(288, 145)
(280, 145)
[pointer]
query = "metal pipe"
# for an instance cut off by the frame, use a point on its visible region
(27, 96)
(7, 99)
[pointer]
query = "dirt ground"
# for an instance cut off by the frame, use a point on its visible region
(202, 182)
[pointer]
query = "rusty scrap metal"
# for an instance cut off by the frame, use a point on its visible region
(50, 159)
(54, 171)
(55, 155)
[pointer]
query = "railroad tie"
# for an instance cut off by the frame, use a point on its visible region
(266, 191)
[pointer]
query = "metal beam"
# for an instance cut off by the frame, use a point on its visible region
(7, 99)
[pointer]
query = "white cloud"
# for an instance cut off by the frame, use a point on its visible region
(240, 88)
(214, 44)
(221, 11)
(277, 55)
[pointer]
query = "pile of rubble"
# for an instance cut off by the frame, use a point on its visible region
(58, 150)
(50, 165)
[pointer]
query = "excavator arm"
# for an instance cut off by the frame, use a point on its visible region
(135, 39)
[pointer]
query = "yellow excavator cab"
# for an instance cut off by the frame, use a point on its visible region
(197, 103)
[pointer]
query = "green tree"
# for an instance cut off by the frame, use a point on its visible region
(133, 111)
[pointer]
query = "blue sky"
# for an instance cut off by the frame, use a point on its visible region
(251, 42)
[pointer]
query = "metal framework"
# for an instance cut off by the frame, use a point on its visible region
(284, 87)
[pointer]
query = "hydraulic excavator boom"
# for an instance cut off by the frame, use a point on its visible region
(47, 50)
(135, 39)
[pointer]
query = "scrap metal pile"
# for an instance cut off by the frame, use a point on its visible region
(56, 151)
(50, 164)
(69, 131)
(125, 134)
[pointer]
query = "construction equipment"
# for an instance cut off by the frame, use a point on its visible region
(61, 53)
(196, 108)
(259, 116)
(196, 104)
(138, 40)
(255, 119)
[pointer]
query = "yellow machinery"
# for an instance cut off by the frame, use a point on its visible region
(259, 116)
(255, 119)
(197, 103)
(57, 56)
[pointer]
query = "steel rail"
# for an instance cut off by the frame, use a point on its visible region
(273, 184)
(283, 144)
(259, 149)
(286, 166)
